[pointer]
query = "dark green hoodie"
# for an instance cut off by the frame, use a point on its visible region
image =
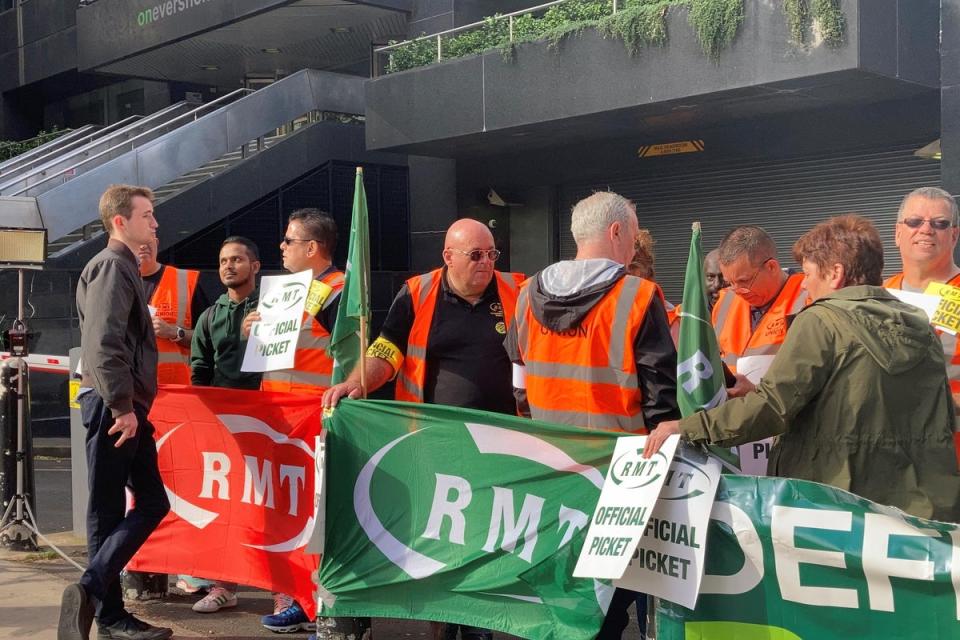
(216, 352)
(859, 398)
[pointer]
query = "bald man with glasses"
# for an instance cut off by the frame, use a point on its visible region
(443, 342)
(926, 235)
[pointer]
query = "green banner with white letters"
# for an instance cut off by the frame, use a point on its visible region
(790, 559)
(439, 513)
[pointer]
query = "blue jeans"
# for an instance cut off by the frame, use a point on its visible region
(113, 534)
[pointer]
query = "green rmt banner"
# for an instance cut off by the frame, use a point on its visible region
(445, 514)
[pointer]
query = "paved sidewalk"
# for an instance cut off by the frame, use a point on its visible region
(31, 585)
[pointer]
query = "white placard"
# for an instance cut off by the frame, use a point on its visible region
(626, 502)
(928, 303)
(754, 455)
(669, 560)
(272, 344)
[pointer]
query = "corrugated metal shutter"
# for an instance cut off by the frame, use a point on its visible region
(786, 197)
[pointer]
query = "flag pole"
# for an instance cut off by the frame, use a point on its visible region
(363, 331)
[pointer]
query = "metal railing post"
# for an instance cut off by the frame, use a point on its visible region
(511, 29)
(439, 49)
(614, 7)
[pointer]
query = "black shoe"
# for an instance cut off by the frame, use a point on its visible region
(76, 614)
(130, 628)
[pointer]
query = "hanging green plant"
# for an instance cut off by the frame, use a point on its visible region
(798, 13)
(829, 18)
(638, 25)
(716, 23)
(11, 148)
(825, 13)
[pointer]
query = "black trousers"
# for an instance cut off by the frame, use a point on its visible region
(113, 534)
(618, 617)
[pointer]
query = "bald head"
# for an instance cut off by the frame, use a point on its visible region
(468, 231)
(468, 239)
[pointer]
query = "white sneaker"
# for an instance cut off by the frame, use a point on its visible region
(218, 598)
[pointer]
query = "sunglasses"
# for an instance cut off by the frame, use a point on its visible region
(939, 224)
(478, 254)
(287, 240)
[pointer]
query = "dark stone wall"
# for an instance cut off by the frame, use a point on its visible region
(950, 95)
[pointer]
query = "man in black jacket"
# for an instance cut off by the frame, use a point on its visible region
(118, 354)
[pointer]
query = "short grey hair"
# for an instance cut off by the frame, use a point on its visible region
(593, 215)
(931, 193)
(750, 240)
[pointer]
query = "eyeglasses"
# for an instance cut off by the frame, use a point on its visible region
(939, 224)
(749, 287)
(287, 240)
(478, 254)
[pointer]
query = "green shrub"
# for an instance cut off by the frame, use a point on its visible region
(11, 148)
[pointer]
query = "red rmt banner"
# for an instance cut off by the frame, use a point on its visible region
(238, 467)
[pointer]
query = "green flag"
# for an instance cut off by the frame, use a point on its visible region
(355, 298)
(699, 369)
(471, 517)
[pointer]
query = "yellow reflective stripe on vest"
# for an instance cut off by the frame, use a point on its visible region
(723, 313)
(510, 283)
(298, 377)
(426, 283)
(581, 373)
(171, 357)
(408, 385)
(604, 421)
(416, 351)
(621, 314)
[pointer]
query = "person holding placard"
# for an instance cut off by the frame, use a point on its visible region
(926, 234)
(857, 394)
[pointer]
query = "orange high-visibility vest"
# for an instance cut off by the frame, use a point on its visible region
(673, 319)
(587, 376)
(172, 299)
(951, 352)
(424, 291)
(312, 367)
(731, 321)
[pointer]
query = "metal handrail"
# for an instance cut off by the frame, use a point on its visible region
(509, 17)
(82, 148)
(193, 113)
(474, 25)
(69, 146)
(49, 137)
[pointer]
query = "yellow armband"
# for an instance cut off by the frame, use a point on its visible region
(318, 294)
(386, 350)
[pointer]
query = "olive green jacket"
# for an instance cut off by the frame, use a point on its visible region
(859, 398)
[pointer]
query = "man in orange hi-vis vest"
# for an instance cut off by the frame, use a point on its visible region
(443, 340)
(176, 301)
(927, 232)
(751, 317)
(591, 345)
(309, 243)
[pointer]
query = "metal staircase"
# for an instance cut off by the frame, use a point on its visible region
(172, 151)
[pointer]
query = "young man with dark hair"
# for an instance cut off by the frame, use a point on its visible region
(118, 385)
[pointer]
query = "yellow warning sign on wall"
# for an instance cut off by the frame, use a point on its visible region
(670, 148)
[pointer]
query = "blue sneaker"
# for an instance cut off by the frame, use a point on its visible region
(289, 620)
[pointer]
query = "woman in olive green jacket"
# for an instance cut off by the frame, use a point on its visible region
(857, 394)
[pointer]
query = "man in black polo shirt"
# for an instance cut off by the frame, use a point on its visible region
(443, 339)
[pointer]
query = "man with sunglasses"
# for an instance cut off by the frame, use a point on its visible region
(443, 341)
(751, 316)
(309, 243)
(926, 235)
